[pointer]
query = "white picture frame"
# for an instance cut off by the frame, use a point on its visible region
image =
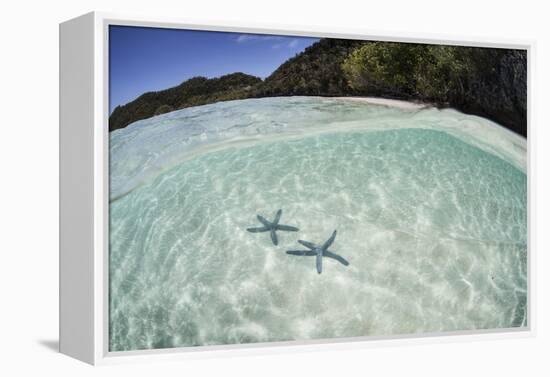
(84, 193)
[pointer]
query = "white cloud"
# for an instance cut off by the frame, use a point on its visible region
(244, 38)
(293, 43)
(256, 37)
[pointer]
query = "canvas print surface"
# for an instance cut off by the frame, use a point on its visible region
(270, 188)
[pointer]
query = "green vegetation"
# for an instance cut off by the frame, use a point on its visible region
(315, 72)
(429, 72)
(385, 68)
(193, 92)
(484, 81)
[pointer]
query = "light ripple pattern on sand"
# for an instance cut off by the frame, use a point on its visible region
(432, 221)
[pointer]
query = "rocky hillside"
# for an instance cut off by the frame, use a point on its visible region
(315, 72)
(193, 92)
(497, 90)
(488, 82)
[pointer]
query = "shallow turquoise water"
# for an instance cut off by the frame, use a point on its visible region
(433, 223)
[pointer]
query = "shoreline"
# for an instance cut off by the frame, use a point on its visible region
(397, 103)
(408, 105)
(417, 105)
(480, 132)
(380, 101)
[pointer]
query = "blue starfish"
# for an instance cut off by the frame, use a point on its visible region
(272, 227)
(319, 252)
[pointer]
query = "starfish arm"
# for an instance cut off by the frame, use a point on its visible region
(307, 253)
(319, 263)
(278, 216)
(287, 228)
(274, 237)
(340, 259)
(264, 221)
(258, 230)
(329, 242)
(307, 244)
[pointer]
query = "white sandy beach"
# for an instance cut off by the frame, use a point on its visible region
(406, 105)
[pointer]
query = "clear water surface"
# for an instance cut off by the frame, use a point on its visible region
(430, 207)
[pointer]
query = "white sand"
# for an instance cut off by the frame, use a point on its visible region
(406, 105)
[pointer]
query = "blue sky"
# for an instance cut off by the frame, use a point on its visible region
(149, 59)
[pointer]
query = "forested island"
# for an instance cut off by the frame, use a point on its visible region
(489, 82)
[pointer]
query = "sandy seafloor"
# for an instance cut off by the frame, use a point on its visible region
(430, 207)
